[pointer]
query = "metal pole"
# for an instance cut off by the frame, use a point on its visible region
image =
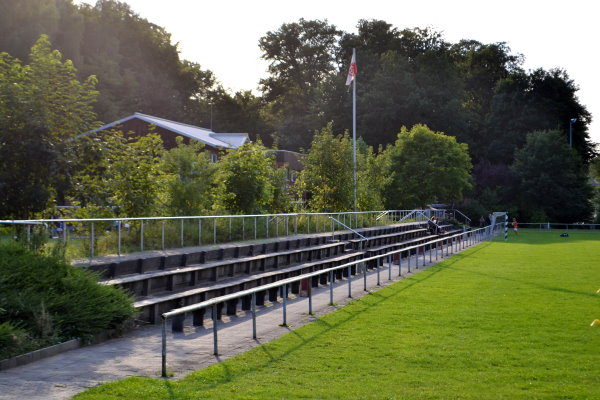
(243, 229)
(118, 236)
(389, 260)
(214, 231)
(408, 258)
(199, 231)
(310, 300)
(142, 235)
(284, 295)
(400, 263)
(377, 266)
(253, 315)
(215, 339)
(349, 282)
(255, 233)
(162, 235)
(164, 348)
(181, 233)
(354, 124)
(330, 288)
(92, 243)
(364, 268)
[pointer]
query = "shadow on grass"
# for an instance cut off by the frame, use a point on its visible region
(537, 237)
(367, 302)
(529, 283)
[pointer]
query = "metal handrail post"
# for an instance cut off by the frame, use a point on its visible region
(214, 231)
(400, 263)
(162, 235)
(330, 288)
(349, 282)
(389, 260)
(364, 268)
(118, 237)
(284, 296)
(253, 316)
(309, 300)
(164, 347)
(215, 338)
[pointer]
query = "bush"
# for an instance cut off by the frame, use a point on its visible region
(54, 301)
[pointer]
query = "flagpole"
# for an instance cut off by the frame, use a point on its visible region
(354, 127)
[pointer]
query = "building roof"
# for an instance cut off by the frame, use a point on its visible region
(206, 136)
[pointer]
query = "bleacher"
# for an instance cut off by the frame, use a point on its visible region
(160, 283)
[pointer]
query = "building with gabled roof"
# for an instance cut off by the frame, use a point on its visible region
(139, 124)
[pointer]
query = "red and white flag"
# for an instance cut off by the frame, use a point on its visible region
(352, 71)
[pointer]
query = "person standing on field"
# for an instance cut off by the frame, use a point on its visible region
(515, 225)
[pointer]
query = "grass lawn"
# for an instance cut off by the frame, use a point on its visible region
(498, 321)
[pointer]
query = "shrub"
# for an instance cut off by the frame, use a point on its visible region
(55, 301)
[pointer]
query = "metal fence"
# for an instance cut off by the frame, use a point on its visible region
(88, 238)
(450, 244)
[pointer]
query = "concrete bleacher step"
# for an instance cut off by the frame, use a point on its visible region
(163, 282)
(152, 306)
(171, 279)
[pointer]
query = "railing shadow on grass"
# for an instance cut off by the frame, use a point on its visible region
(374, 299)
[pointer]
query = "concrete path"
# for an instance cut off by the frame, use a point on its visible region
(138, 353)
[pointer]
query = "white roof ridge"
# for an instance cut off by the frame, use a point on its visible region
(170, 120)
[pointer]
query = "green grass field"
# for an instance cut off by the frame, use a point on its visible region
(498, 321)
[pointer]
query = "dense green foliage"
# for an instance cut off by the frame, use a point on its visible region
(553, 181)
(425, 166)
(503, 320)
(249, 180)
(475, 92)
(42, 108)
(44, 300)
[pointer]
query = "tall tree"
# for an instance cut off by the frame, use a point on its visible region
(327, 178)
(247, 180)
(42, 108)
(553, 182)
(426, 167)
(190, 179)
(300, 55)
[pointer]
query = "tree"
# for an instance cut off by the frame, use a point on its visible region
(552, 180)
(189, 179)
(327, 178)
(43, 106)
(426, 166)
(301, 55)
(246, 175)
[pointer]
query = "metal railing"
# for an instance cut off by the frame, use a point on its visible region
(88, 238)
(452, 244)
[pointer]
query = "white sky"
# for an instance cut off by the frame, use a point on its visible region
(223, 35)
